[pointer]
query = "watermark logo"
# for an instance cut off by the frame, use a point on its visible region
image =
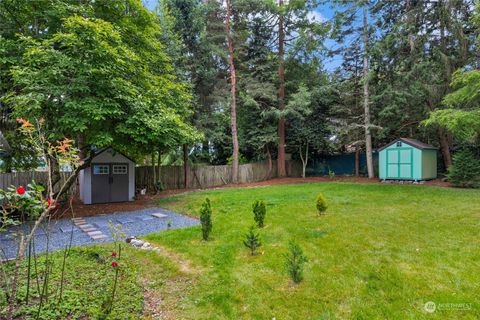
(430, 307)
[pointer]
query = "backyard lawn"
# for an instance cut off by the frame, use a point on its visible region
(380, 252)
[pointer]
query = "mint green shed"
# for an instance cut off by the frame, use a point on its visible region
(407, 159)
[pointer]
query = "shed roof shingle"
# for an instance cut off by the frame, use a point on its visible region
(413, 142)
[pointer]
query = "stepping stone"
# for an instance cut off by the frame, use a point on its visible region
(99, 237)
(146, 218)
(85, 226)
(94, 233)
(79, 222)
(101, 224)
(124, 220)
(159, 215)
(89, 229)
(68, 229)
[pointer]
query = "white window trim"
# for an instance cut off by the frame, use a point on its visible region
(123, 168)
(100, 171)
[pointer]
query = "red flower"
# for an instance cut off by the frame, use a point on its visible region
(21, 190)
(49, 202)
(114, 254)
(114, 264)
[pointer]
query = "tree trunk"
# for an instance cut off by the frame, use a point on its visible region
(269, 163)
(185, 166)
(444, 147)
(81, 146)
(159, 163)
(233, 96)
(368, 135)
(304, 160)
(442, 135)
(154, 173)
(281, 94)
(442, 140)
(410, 26)
(357, 161)
(54, 168)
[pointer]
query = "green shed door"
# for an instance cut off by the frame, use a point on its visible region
(400, 163)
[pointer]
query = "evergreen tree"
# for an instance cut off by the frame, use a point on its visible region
(206, 219)
(465, 171)
(252, 240)
(295, 261)
(259, 212)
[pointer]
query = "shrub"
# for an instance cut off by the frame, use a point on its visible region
(295, 260)
(465, 170)
(241, 159)
(321, 203)
(259, 212)
(206, 219)
(252, 240)
(331, 174)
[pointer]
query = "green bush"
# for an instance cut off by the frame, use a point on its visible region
(252, 240)
(295, 260)
(206, 219)
(331, 174)
(241, 159)
(321, 203)
(259, 212)
(465, 170)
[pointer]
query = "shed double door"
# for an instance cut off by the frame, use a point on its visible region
(400, 163)
(109, 182)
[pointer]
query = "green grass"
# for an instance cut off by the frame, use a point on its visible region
(380, 252)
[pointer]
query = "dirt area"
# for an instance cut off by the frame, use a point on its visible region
(163, 290)
(82, 210)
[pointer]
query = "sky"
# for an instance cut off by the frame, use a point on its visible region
(322, 13)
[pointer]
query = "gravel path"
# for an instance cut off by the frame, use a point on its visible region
(133, 223)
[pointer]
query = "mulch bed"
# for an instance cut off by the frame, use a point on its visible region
(82, 210)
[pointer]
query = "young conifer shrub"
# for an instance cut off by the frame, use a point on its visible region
(295, 261)
(259, 212)
(252, 240)
(206, 219)
(321, 203)
(465, 170)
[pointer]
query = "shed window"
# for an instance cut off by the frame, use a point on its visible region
(101, 169)
(399, 143)
(119, 169)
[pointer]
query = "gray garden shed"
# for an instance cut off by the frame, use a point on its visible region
(110, 178)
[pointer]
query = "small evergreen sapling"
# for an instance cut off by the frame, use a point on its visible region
(321, 203)
(206, 219)
(259, 212)
(465, 170)
(252, 240)
(295, 260)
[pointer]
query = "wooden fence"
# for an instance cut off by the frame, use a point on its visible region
(24, 178)
(172, 177)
